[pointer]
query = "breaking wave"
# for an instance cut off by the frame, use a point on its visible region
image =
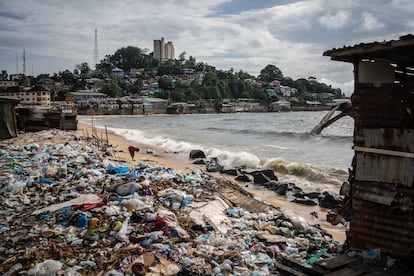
(307, 172)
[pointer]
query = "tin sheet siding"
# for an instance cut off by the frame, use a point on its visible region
(391, 196)
(382, 191)
(377, 226)
(386, 138)
(388, 106)
(383, 168)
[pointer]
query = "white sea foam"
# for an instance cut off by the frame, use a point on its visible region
(234, 159)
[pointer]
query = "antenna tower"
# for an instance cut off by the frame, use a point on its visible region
(24, 62)
(95, 50)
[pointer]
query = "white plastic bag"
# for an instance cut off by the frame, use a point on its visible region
(46, 268)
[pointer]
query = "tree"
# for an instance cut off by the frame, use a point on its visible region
(61, 94)
(210, 78)
(84, 69)
(303, 85)
(112, 89)
(67, 77)
(4, 75)
(244, 75)
(128, 57)
(191, 95)
(177, 96)
(169, 68)
(181, 57)
(165, 84)
(287, 81)
(105, 66)
(224, 89)
(270, 73)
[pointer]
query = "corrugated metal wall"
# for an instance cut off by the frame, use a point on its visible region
(382, 192)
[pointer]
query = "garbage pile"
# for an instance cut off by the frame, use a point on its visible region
(68, 209)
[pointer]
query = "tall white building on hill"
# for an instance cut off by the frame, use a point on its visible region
(163, 51)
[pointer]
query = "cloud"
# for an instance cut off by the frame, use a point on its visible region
(239, 34)
(370, 23)
(335, 21)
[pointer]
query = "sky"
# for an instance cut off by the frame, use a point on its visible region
(244, 35)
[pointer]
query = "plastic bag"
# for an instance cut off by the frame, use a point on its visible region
(46, 268)
(122, 233)
(299, 222)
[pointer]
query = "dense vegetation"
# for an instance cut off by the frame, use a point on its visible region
(216, 84)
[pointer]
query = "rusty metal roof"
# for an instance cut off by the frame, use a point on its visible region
(399, 51)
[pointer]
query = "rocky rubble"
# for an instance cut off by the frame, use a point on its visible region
(268, 179)
(69, 209)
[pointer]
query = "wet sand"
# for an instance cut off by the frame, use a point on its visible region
(182, 163)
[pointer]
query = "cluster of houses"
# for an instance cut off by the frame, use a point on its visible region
(90, 101)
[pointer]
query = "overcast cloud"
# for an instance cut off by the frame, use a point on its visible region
(242, 34)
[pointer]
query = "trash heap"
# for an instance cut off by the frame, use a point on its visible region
(68, 209)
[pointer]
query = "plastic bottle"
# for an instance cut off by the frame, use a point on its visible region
(82, 222)
(316, 256)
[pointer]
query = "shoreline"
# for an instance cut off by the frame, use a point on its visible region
(178, 162)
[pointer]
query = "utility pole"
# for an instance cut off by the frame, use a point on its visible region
(24, 62)
(95, 50)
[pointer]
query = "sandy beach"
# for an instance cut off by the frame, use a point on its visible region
(157, 156)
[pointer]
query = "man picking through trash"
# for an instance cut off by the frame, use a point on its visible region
(132, 151)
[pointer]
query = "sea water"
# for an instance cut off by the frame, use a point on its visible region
(278, 141)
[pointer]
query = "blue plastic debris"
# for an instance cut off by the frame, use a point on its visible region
(42, 216)
(46, 181)
(82, 221)
(118, 170)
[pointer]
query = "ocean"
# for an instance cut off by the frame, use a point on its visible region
(278, 141)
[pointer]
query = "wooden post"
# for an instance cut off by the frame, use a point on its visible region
(106, 132)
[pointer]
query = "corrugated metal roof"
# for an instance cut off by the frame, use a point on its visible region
(398, 51)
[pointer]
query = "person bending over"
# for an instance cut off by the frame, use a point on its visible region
(132, 151)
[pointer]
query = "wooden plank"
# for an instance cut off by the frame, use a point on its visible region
(307, 269)
(336, 262)
(384, 152)
(345, 272)
(287, 270)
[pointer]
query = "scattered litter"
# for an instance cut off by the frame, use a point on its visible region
(68, 209)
